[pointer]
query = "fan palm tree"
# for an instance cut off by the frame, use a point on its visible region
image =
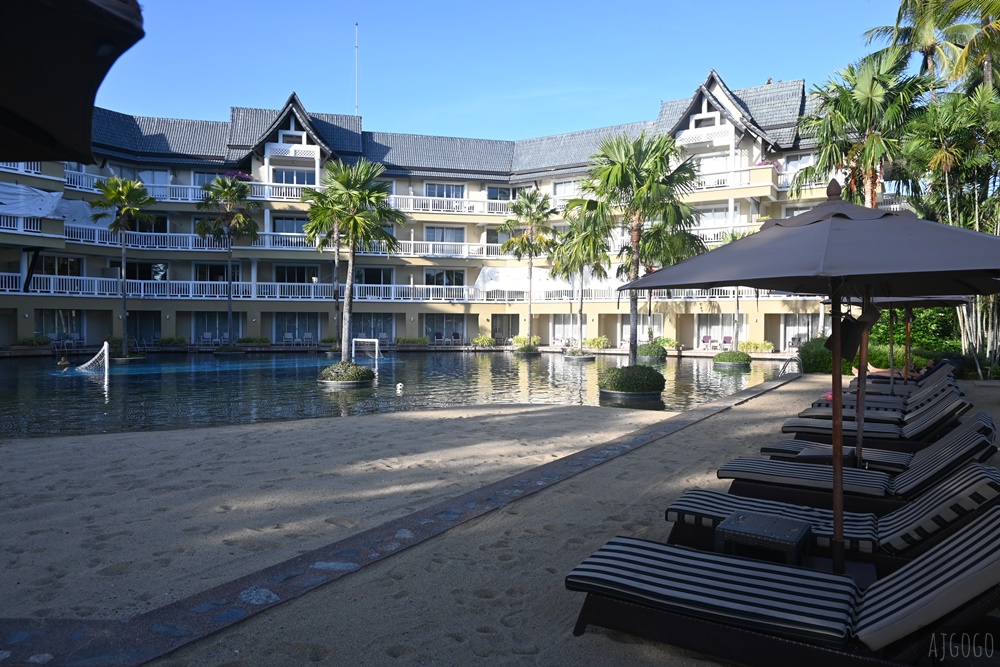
(583, 247)
(927, 28)
(356, 208)
(229, 197)
(859, 122)
(639, 179)
(125, 200)
(531, 235)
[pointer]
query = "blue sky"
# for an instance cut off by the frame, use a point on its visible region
(507, 70)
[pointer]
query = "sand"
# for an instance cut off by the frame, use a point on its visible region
(94, 530)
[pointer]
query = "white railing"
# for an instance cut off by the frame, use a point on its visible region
(22, 167)
(177, 193)
(785, 181)
(724, 179)
(15, 223)
(184, 289)
(413, 204)
(284, 241)
(81, 181)
(715, 136)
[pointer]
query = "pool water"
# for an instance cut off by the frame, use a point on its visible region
(169, 391)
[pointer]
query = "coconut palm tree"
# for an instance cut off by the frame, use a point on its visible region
(927, 28)
(639, 179)
(229, 197)
(356, 208)
(125, 200)
(323, 228)
(583, 247)
(531, 235)
(975, 61)
(859, 122)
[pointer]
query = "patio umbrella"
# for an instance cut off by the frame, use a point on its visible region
(61, 51)
(842, 250)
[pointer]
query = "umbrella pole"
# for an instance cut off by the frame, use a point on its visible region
(909, 350)
(837, 545)
(859, 398)
(892, 353)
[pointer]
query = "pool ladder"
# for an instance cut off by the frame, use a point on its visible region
(797, 360)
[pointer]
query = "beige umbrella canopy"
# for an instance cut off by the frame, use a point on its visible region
(63, 49)
(842, 250)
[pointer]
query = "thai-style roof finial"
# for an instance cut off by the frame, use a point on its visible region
(833, 190)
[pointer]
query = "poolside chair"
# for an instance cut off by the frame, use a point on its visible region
(864, 490)
(206, 339)
(759, 613)
(307, 339)
(906, 531)
(288, 339)
(438, 338)
(878, 459)
(224, 339)
(706, 342)
(456, 338)
(727, 342)
(901, 413)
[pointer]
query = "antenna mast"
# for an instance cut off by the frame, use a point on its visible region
(355, 68)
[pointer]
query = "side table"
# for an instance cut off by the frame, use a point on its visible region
(763, 531)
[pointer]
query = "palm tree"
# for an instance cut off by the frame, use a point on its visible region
(323, 228)
(982, 46)
(859, 122)
(634, 179)
(584, 246)
(124, 199)
(356, 208)
(229, 197)
(532, 211)
(926, 27)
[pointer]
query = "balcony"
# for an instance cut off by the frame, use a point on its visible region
(18, 224)
(22, 167)
(81, 286)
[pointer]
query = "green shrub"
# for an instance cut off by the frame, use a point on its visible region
(651, 350)
(732, 357)
(598, 343)
(527, 348)
(329, 340)
(347, 371)
(35, 342)
(254, 340)
(756, 346)
(173, 341)
(631, 378)
(577, 352)
(420, 340)
(522, 341)
(227, 349)
(817, 359)
(482, 340)
(667, 343)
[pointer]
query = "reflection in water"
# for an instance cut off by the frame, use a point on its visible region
(180, 391)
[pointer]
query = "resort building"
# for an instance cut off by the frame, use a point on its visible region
(449, 279)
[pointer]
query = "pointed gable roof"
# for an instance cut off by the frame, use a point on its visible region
(735, 111)
(255, 128)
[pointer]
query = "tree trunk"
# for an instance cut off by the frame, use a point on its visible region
(121, 282)
(635, 235)
(581, 310)
(530, 263)
(336, 281)
(348, 304)
(988, 60)
(229, 286)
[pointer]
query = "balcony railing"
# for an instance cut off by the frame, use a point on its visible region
(15, 223)
(22, 167)
(83, 286)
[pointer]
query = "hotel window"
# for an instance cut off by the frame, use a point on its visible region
(500, 194)
(370, 325)
(141, 270)
(214, 272)
(373, 275)
(59, 321)
(444, 324)
(59, 266)
(200, 178)
(796, 161)
(288, 225)
(296, 324)
(295, 274)
(566, 189)
(444, 277)
(154, 176)
(121, 171)
(494, 235)
(566, 326)
(444, 234)
(293, 176)
(158, 224)
(444, 190)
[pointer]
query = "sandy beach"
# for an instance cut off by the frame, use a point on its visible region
(108, 527)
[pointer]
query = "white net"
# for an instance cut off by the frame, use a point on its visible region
(99, 364)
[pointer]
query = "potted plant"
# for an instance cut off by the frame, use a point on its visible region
(634, 382)
(482, 340)
(651, 352)
(253, 343)
(579, 354)
(347, 375)
(115, 351)
(525, 347)
(732, 359)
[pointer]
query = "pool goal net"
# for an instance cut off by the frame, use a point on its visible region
(99, 364)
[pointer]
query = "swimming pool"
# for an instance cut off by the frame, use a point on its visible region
(169, 391)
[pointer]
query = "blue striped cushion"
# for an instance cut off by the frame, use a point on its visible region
(875, 459)
(926, 470)
(779, 599)
(965, 491)
(704, 507)
(873, 430)
(937, 583)
(865, 482)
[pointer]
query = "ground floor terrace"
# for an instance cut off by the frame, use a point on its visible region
(708, 319)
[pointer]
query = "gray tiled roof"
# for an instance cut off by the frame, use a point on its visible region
(770, 110)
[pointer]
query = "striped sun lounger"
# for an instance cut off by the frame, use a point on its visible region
(968, 491)
(760, 613)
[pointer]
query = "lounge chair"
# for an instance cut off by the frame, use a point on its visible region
(706, 342)
(760, 613)
(899, 402)
(308, 340)
(944, 372)
(874, 458)
(456, 338)
(288, 338)
(864, 490)
(438, 338)
(956, 500)
(727, 342)
(902, 414)
(207, 339)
